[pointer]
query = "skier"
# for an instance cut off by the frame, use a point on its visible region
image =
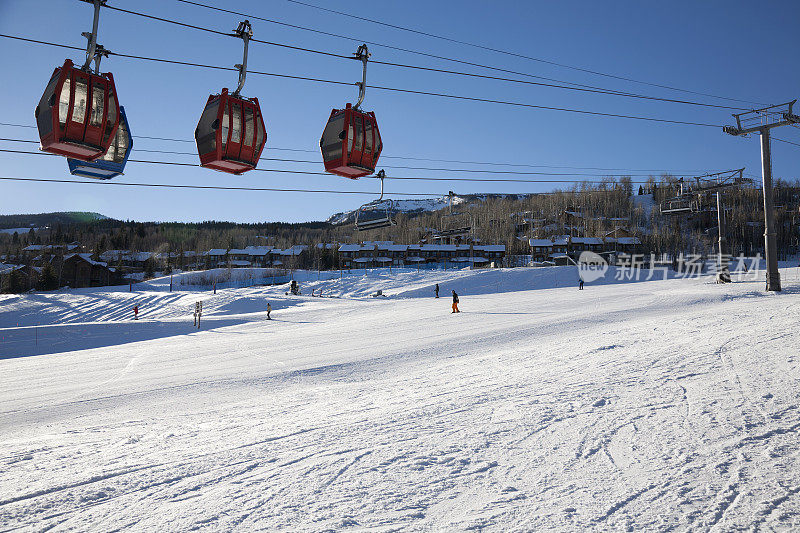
(436, 290)
(269, 310)
(136, 312)
(455, 302)
(580, 284)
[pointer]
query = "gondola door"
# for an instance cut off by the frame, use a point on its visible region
(369, 143)
(356, 152)
(233, 144)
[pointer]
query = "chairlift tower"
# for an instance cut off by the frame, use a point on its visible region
(688, 202)
(762, 121)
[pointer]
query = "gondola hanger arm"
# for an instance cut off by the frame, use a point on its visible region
(362, 54)
(381, 176)
(91, 47)
(245, 33)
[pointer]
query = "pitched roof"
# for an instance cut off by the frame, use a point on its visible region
(87, 258)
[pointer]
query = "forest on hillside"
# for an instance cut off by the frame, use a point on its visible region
(587, 209)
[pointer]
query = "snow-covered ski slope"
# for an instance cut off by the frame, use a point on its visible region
(654, 405)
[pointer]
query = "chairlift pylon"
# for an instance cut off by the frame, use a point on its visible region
(385, 208)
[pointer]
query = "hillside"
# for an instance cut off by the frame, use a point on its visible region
(426, 205)
(591, 210)
(41, 220)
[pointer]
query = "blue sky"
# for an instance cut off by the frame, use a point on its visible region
(738, 49)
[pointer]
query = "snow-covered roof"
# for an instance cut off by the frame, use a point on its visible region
(87, 258)
(540, 242)
(109, 255)
(560, 240)
(350, 248)
(41, 247)
(9, 268)
(586, 240)
(139, 256)
(492, 247)
(217, 252)
(629, 240)
(438, 247)
(297, 249)
(261, 251)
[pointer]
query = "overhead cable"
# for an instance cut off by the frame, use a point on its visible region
(407, 91)
(515, 54)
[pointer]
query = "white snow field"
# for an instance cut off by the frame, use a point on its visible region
(660, 405)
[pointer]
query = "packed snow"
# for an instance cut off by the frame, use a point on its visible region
(630, 405)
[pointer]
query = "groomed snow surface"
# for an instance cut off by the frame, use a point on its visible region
(651, 405)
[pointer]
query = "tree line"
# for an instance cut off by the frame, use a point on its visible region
(585, 209)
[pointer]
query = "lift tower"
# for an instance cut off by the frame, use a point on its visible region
(762, 121)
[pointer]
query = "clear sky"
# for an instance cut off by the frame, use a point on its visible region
(734, 48)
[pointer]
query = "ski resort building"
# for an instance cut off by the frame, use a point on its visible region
(558, 248)
(370, 254)
(80, 270)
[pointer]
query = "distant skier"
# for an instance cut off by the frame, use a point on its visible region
(436, 290)
(269, 310)
(136, 312)
(580, 284)
(455, 302)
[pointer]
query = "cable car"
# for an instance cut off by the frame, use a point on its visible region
(112, 163)
(377, 213)
(351, 142)
(78, 113)
(231, 134)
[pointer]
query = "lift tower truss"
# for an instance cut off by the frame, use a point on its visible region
(762, 121)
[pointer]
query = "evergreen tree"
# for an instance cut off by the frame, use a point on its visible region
(48, 279)
(17, 282)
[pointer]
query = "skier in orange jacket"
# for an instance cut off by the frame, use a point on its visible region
(455, 302)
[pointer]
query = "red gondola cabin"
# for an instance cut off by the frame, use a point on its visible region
(230, 135)
(351, 143)
(78, 114)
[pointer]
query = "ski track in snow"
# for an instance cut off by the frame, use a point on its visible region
(666, 405)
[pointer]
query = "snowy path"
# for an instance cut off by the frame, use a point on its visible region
(661, 405)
